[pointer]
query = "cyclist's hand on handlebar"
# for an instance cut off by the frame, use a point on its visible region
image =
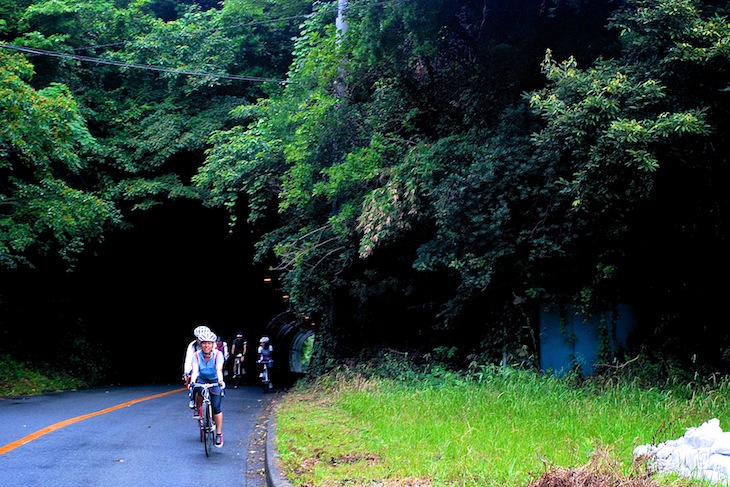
(222, 384)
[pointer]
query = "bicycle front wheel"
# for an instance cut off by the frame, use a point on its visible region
(209, 428)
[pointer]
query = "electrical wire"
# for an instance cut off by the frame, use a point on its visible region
(78, 57)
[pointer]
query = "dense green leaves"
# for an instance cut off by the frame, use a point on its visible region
(607, 122)
(441, 165)
(429, 160)
(45, 149)
(150, 89)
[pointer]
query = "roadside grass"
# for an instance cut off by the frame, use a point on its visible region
(502, 427)
(21, 379)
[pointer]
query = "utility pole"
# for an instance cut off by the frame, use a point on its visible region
(341, 23)
(325, 337)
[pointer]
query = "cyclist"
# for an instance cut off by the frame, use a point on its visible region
(190, 350)
(222, 345)
(264, 352)
(238, 351)
(208, 369)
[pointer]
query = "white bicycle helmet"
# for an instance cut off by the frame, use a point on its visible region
(264, 340)
(200, 330)
(207, 336)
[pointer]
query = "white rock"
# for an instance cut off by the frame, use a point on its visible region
(703, 452)
(719, 465)
(722, 444)
(705, 435)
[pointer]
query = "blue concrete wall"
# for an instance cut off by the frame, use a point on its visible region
(577, 343)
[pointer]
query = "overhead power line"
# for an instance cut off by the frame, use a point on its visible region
(342, 6)
(77, 57)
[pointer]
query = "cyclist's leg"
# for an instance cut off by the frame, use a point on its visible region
(216, 398)
(215, 401)
(218, 420)
(190, 391)
(198, 400)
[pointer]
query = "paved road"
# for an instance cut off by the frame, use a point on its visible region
(130, 436)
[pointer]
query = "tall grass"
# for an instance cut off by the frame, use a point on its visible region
(501, 427)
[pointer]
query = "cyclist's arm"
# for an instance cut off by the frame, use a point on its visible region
(188, 362)
(195, 373)
(219, 367)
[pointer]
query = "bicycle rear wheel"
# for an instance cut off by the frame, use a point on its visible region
(265, 379)
(209, 428)
(238, 373)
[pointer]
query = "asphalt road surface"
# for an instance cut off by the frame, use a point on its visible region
(130, 436)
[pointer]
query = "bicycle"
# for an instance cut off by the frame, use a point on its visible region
(206, 423)
(238, 370)
(265, 377)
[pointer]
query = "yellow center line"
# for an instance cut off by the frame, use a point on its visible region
(62, 424)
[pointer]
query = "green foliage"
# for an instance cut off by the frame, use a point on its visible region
(46, 148)
(307, 350)
(160, 87)
(442, 166)
(609, 120)
(20, 379)
(397, 148)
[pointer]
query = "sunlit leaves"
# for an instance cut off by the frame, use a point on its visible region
(605, 118)
(42, 126)
(386, 212)
(44, 149)
(651, 28)
(71, 217)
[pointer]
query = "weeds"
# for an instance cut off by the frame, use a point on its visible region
(19, 379)
(488, 427)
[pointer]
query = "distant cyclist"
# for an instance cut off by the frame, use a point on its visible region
(190, 350)
(208, 369)
(222, 345)
(238, 351)
(265, 352)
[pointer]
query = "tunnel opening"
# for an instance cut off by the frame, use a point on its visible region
(293, 338)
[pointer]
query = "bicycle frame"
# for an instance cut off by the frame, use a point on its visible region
(206, 422)
(238, 370)
(265, 379)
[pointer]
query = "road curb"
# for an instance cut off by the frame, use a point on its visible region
(274, 477)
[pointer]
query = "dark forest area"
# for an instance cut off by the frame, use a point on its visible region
(132, 306)
(422, 175)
